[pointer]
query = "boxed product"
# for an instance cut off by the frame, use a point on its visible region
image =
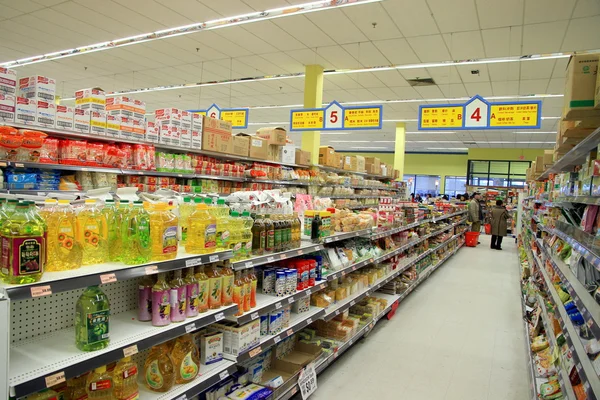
(151, 132)
(168, 114)
(211, 348)
(81, 120)
(38, 88)
(274, 136)
(258, 148)
(125, 106)
(185, 137)
(350, 163)
(90, 99)
(360, 163)
(7, 106)
(287, 154)
(46, 114)
(197, 121)
(372, 161)
(98, 122)
(327, 156)
(138, 128)
(241, 144)
(373, 169)
(580, 87)
(302, 157)
(339, 160)
(186, 119)
(64, 117)
(8, 81)
(168, 132)
(273, 153)
(113, 127)
(25, 111)
(216, 135)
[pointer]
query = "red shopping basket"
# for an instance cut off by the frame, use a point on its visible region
(488, 229)
(471, 239)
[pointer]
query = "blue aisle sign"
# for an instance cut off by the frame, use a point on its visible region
(336, 117)
(237, 116)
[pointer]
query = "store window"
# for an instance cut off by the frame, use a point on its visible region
(455, 185)
(497, 173)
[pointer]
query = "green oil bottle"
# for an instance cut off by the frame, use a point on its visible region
(92, 320)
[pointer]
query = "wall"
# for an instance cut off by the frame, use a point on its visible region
(505, 154)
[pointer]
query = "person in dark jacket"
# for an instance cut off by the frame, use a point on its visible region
(499, 225)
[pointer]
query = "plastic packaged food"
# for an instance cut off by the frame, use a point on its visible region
(10, 141)
(73, 152)
(31, 145)
(49, 151)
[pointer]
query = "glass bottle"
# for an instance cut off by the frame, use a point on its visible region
(270, 234)
(215, 287)
(227, 279)
(161, 301)
(100, 384)
(259, 235)
(203, 288)
(191, 293)
(92, 320)
(178, 297)
(186, 359)
(125, 382)
(159, 373)
(253, 287)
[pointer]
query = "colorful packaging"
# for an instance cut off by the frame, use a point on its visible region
(8, 82)
(73, 152)
(25, 111)
(49, 151)
(81, 120)
(90, 99)
(64, 118)
(98, 122)
(7, 105)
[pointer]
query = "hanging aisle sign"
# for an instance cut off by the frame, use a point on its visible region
(237, 116)
(336, 117)
(478, 113)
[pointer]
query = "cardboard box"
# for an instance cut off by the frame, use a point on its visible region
(91, 99)
(8, 82)
(383, 169)
(26, 111)
(327, 156)
(81, 120)
(287, 153)
(186, 119)
(7, 107)
(259, 148)
(373, 169)
(196, 138)
(580, 87)
(113, 127)
(275, 136)
(98, 122)
(373, 161)
(151, 132)
(350, 163)
(38, 87)
(126, 106)
(216, 135)
(168, 114)
(138, 128)
(168, 132)
(360, 163)
(339, 160)
(539, 164)
(273, 153)
(241, 144)
(211, 348)
(396, 174)
(64, 118)
(303, 157)
(185, 137)
(548, 158)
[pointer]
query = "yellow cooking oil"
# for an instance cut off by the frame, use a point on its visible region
(91, 233)
(159, 373)
(163, 232)
(64, 251)
(125, 377)
(100, 384)
(203, 288)
(202, 231)
(186, 359)
(46, 394)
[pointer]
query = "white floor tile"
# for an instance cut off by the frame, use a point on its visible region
(458, 337)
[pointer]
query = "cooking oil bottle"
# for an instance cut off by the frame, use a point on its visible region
(227, 279)
(112, 229)
(203, 288)
(202, 231)
(100, 384)
(92, 320)
(178, 297)
(77, 388)
(136, 236)
(91, 229)
(247, 290)
(10, 207)
(253, 287)
(45, 394)
(163, 232)
(223, 228)
(161, 301)
(259, 236)
(191, 293)
(159, 373)
(270, 234)
(23, 247)
(296, 230)
(186, 359)
(125, 380)
(238, 292)
(215, 287)
(235, 244)
(247, 223)
(185, 210)
(145, 299)
(121, 215)
(64, 251)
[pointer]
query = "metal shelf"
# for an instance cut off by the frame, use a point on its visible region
(347, 235)
(345, 171)
(585, 251)
(306, 248)
(576, 156)
(593, 200)
(89, 275)
(33, 361)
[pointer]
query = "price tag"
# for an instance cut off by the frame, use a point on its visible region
(219, 316)
(254, 315)
(307, 381)
(140, 173)
(182, 397)
(131, 350)
(300, 252)
(108, 278)
(277, 339)
(323, 286)
(19, 165)
(283, 256)
(180, 175)
(350, 342)
(255, 352)
(309, 321)
(578, 366)
(352, 303)
(270, 259)
(223, 375)
(214, 258)
(290, 332)
(248, 264)
(294, 390)
(193, 262)
(38, 291)
(190, 327)
(278, 305)
(55, 379)
(586, 385)
(290, 300)
(152, 269)
(316, 248)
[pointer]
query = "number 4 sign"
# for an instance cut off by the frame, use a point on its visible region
(307, 381)
(476, 113)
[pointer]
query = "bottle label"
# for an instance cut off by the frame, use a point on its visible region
(192, 298)
(23, 255)
(154, 378)
(169, 240)
(130, 372)
(91, 233)
(161, 307)
(223, 239)
(227, 288)
(66, 234)
(134, 396)
(188, 369)
(253, 287)
(215, 292)
(210, 236)
(248, 247)
(247, 296)
(178, 305)
(145, 303)
(97, 324)
(270, 240)
(238, 297)
(237, 248)
(203, 288)
(104, 384)
(277, 236)
(143, 233)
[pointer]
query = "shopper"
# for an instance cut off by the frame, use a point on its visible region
(475, 213)
(499, 217)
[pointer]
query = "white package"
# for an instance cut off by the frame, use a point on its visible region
(81, 120)
(7, 107)
(25, 111)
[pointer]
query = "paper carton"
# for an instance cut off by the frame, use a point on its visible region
(287, 154)
(7, 107)
(275, 136)
(113, 127)
(241, 144)
(125, 126)
(185, 136)
(81, 120)
(25, 111)
(373, 160)
(186, 119)
(350, 163)
(216, 135)
(211, 348)
(138, 129)
(8, 82)
(46, 114)
(580, 87)
(90, 99)
(360, 163)
(168, 114)
(64, 118)
(126, 106)
(168, 133)
(373, 169)
(327, 156)
(273, 153)
(259, 148)
(302, 157)
(98, 122)
(151, 132)
(38, 88)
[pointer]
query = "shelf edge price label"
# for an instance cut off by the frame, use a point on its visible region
(152, 269)
(290, 332)
(254, 352)
(55, 379)
(277, 339)
(254, 315)
(182, 397)
(193, 262)
(219, 316)
(108, 278)
(270, 259)
(190, 327)
(38, 291)
(130, 351)
(213, 258)
(223, 374)
(277, 305)
(307, 381)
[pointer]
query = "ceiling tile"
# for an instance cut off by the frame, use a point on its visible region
(305, 31)
(473, 73)
(366, 53)
(533, 86)
(245, 39)
(226, 46)
(455, 15)
(25, 6)
(453, 90)
(502, 42)
(338, 56)
(481, 88)
(383, 93)
(122, 14)
(368, 80)
(586, 8)
(366, 15)
(444, 75)
(429, 92)
(274, 35)
(548, 10)
(262, 5)
(465, 45)
(406, 92)
(579, 35)
(397, 51)
(537, 69)
(504, 71)
(430, 48)
(9, 12)
(309, 57)
(560, 68)
(413, 18)
(495, 14)
(229, 8)
(391, 78)
(543, 38)
(556, 86)
(338, 26)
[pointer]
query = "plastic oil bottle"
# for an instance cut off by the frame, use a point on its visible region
(247, 223)
(238, 293)
(161, 301)
(178, 297)
(159, 373)
(163, 232)
(186, 359)
(215, 287)
(277, 232)
(253, 287)
(121, 216)
(235, 244)
(223, 226)
(203, 288)
(24, 248)
(91, 230)
(185, 210)
(191, 293)
(270, 234)
(92, 320)
(227, 279)
(45, 394)
(77, 388)
(64, 251)
(125, 377)
(100, 384)
(145, 299)
(259, 236)
(247, 290)
(296, 230)
(10, 207)
(202, 231)
(136, 236)
(112, 229)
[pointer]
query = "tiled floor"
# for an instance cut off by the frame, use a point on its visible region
(459, 336)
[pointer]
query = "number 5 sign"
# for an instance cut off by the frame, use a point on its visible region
(334, 114)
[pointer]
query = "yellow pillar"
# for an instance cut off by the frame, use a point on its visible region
(399, 149)
(313, 98)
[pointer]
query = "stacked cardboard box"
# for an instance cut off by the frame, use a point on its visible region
(276, 139)
(216, 135)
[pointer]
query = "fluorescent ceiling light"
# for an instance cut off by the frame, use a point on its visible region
(349, 141)
(258, 16)
(447, 148)
(368, 148)
(335, 133)
(551, 117)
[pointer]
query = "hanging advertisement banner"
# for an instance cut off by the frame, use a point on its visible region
(336, 117)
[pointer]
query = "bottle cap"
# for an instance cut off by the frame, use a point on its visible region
(138, 203)
(13, 201)
(50, 201)
(123, 201)
(208, 201)
(109, 201)
(235, 214)
(160, 206)
(221, 201)
(246, 214)
(64, 201)
(100, 370)
(90, 201)
(187, 199)
(197, 200)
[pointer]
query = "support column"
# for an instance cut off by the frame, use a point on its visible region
(313, 98)
(399, 149)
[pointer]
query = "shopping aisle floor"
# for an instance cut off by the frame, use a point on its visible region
(459, 336)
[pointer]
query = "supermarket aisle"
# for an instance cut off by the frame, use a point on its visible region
(458, 337)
